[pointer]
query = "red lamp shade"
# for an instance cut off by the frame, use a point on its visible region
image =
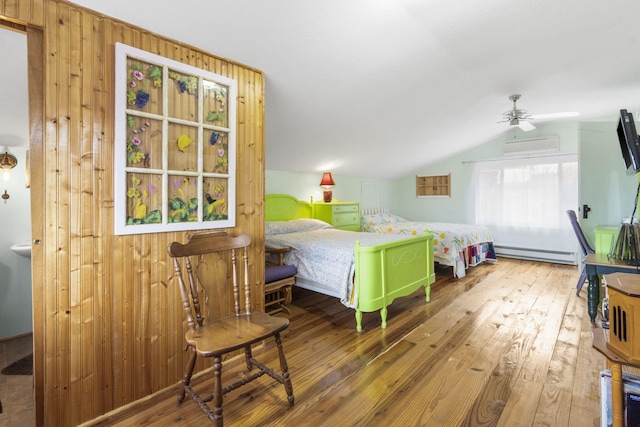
(327, 182)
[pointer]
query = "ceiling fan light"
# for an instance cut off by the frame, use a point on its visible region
(514, 122)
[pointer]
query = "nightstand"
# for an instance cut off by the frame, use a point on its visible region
(342, 215)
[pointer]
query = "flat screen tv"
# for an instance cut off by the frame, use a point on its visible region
(629, 142)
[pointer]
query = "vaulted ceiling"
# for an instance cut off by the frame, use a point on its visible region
(381, 88)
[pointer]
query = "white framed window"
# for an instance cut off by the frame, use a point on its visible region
(524, 201)
(175, 145)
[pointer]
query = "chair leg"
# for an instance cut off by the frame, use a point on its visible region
(186, 378)
(248, 356)
(581, 281)
(285, 370)
(216, 414)
(288, 295)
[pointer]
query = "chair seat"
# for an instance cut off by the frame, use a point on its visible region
(234, 332)
(273, 273)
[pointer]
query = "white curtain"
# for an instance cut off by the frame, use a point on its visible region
(524, 201)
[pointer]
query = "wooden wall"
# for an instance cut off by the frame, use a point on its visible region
(107, 326)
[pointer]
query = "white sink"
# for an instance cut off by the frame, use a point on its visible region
(22, 249)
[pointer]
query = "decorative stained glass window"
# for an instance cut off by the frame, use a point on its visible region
(175, 145)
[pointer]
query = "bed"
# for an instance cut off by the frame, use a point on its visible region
(365, 271)
(456, 245)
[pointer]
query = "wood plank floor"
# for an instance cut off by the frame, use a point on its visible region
(510, 344)
(507, 345)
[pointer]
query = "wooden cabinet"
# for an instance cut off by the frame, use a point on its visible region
(436, 185)
(342, 215)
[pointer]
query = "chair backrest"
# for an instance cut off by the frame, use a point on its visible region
(191, 253)
(586, 248)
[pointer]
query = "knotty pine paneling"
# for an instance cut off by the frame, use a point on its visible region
(24, 11)
(35, 47)
(108, 327)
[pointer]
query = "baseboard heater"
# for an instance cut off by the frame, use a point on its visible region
(546, 255)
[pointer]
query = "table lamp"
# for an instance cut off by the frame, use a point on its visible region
(327, 183)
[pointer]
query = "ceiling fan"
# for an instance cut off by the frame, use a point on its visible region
(519, 117)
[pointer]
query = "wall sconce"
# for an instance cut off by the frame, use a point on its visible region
(7, 162)
(327, 182)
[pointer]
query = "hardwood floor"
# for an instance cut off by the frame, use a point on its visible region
(507, 345)
(16, 391)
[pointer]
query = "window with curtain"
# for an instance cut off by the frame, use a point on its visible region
(524, 201)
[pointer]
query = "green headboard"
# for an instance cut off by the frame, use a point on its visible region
(283, 207)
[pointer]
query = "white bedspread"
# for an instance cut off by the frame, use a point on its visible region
(323, 254)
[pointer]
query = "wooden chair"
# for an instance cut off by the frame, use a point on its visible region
(216, 337)
(278, 281)
(584, 246)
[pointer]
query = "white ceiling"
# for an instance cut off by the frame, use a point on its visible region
(381, 88)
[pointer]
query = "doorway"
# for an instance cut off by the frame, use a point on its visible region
(34, 77)
(15, 288)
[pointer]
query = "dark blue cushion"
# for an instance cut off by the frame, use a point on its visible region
(273, 273)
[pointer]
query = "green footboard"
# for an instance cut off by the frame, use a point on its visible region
(391, 270)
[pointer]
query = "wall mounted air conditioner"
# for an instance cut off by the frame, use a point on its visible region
(537, 146)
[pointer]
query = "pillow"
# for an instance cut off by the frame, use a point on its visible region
(294, 226)
(395, 218)
(381, 218)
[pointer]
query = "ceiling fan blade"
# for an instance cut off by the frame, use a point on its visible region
(525, 125)
(555, 115)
